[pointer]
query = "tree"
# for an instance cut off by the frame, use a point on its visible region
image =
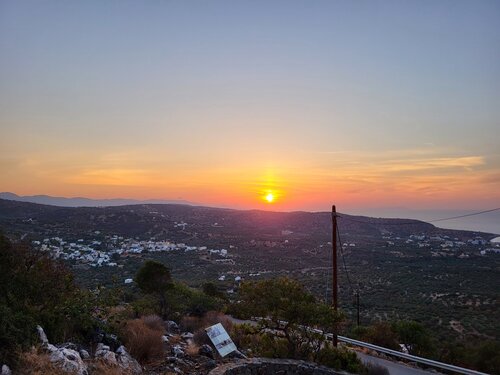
(210, 289)
(382, 334)
(35, 289)
(415, 337)
(154, 278)
(290, 314)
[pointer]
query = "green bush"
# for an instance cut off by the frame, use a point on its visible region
(35, 289)
(340, 359)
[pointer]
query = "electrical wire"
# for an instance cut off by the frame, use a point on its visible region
(413, 222)
(344, 262)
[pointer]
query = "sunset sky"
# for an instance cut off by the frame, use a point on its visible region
(359, 103)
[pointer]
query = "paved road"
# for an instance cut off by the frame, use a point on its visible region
(395, 368)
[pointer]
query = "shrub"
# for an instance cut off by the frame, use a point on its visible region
(340, 359)
(154, 322)
(190, 323)
(143, 342)
(35, 289)
(286, 300)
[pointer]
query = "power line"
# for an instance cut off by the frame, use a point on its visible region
(466, 215)
(343, 261)
(415, 221)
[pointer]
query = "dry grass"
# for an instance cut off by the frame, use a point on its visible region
(192, 349)
(190, 324)
(98, 367)
(175, 339)
(154, 322)
(143, 342)
(36, 363)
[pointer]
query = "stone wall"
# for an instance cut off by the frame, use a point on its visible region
(266, 366)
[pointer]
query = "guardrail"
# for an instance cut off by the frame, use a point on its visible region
(394, 353)
(413, 358)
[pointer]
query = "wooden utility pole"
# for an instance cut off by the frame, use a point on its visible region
(334, 266)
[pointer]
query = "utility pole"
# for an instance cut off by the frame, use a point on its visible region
(334, 266)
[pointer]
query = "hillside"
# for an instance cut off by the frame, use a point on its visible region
(402, 268)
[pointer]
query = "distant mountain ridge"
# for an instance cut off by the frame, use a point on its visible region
(85, 202)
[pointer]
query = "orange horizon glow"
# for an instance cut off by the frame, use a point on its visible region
(352, 181)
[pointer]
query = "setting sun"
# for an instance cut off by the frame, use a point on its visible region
(269, 197)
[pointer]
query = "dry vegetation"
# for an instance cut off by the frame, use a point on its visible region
(36, 363)
(143, 338)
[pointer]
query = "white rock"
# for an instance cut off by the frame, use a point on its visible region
(103, 352)
(126, 361)
(84, 354)
(177, 350)
(42, 335)
(6, 370)
(69, 360)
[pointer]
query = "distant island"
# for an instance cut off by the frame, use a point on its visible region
(86, 202)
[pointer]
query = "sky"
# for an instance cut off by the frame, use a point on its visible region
(362, 104)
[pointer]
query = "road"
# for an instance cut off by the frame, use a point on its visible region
(395, 368)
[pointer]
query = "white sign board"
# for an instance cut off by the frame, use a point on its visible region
(221, 339)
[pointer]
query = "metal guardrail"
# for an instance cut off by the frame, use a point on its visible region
(395, 353)
(413, 358)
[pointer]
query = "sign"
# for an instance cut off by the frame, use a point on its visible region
(221, 339)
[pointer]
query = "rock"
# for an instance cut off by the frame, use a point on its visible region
(51, 348)
(6, 370)
(84, 354)
(207, 351)
(101, 346)
(103, 352)
(42, 335)
(177, 350)
(68, 360)
(127, 362)
(172, 326)
(69, 345)
(187, 335)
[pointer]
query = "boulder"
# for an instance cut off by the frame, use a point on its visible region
(127, 362)
(187, 335)
(84, 354)
(6, 370)
(172, 326)
(104, 353)
(68, 360)
(42, 335)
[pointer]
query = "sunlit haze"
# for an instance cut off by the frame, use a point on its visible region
(284, 105)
